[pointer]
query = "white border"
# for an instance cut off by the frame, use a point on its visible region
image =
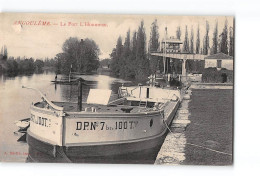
(247, 66)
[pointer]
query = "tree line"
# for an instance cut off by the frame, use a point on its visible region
(131, 59)
(13, 66)
(77, 56)
(223, 42)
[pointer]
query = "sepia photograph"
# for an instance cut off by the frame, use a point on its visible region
(117, 89)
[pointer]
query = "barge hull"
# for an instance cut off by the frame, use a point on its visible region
(136, 152)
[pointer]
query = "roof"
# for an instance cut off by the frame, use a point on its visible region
(219, 56)
(172, 40)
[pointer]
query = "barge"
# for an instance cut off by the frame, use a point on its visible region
(130, 129)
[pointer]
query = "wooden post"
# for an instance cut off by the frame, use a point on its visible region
(79, 95)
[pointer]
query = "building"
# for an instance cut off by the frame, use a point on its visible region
(219, 61)
(171, 45)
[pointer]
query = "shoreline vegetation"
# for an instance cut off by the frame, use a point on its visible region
(131, 58)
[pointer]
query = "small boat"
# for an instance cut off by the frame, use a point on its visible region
(22, 124)
(130, 129)
(66, 80)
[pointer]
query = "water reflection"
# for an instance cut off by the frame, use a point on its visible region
(15, 103)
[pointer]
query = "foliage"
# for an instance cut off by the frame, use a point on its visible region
(153, 47)
(195, 66)
(192, 41)
(49, 62)
(186, 41)
(16, 66)
(4, 52)
(198, 41)
(231, 42)
(206, 40)
(212, 75)
(224, 39)
(131, 60)
(105, 63)
(38, 65)
(78, 56)
(142, 69)
(178, 33)
(215, 40)
(115, 57)
(176, 66)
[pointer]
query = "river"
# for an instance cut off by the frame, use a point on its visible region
(15, 102)
(210, 115)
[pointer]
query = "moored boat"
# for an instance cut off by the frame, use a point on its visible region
(130, 129)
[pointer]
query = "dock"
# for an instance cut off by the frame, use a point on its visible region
(172, 150)
(212, 86)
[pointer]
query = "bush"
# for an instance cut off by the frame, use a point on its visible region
(212, 75)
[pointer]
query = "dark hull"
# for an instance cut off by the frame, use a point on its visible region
(144, 152)
(65, 82)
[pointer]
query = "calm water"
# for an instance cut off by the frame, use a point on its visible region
(210, 115)
(15, 102)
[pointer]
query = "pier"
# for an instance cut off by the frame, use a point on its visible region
(200, 127)
(172, 151)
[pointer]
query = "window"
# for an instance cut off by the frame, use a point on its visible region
(219, 63)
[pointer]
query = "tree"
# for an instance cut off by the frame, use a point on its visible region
(38, 65)
(142, 61)
(4, 52)
(124, 67)
(132, 58)
(80, 56)
(178, 33)
(59, 58)
(198, 41)
(105, 63)
(215, 40)
(231, 42)
(191, 41)
(115, 57)
(186, 41)
(206, 40)
(224, 39)
(154, 45)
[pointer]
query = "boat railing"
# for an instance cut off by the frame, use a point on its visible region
(45, 98)
(123, 92)
(117, 101)
(133, 90)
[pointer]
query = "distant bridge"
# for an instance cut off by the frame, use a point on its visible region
(182, 56)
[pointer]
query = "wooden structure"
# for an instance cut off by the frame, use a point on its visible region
(171, 49)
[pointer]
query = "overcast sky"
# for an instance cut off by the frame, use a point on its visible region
(40, 41)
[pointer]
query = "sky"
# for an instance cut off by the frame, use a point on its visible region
(41, 41)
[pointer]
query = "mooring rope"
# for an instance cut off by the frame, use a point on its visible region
(196, 144)
(209, 149)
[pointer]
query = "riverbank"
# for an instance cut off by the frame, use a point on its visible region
(201, 132)
(212, 86)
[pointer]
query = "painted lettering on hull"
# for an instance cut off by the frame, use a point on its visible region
(41, 121)
(118, 125)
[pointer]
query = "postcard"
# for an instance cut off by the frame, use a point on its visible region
(122, 89)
